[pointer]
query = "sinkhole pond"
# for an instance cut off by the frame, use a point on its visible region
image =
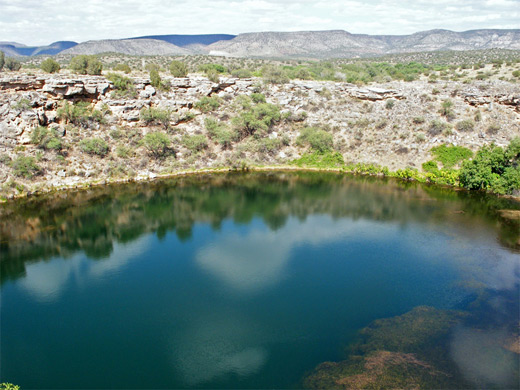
(261, 280)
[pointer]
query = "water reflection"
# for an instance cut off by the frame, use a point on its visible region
(257, 260)
(482, 358)
(212, 347)
(91, 222)
(45, 281)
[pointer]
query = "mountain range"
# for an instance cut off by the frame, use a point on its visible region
(300, 44)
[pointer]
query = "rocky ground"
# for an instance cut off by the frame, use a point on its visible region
(394, 124)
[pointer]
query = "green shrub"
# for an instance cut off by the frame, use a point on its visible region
(84, 64)
(212, 67)
(50, 66)
(94, 146)
(437, 127)
(327, 159)
(123, 68)
(430, 166)
(450, 155)
(80, 114)
(195, 143)
(258, 97)
(390, 104)
(493, 168)
(256, 120)
(219, 132)
(269, 145)
(274, 75)
(319, 140)
(155, 115)
(12, 64)
(25, 166)
(447, 109)
(418, 120)
(121, 83)
(465, 125)
(156, 143)
(208, 104)
(241, 73)
(178, 69)
(46, 139)
(2, 60)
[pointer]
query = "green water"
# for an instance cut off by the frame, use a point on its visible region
(252, 281)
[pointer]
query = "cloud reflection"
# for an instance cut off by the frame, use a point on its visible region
(257, 260)
(481, 357)
(45, 281)
(213, 347)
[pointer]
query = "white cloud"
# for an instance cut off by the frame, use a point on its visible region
(43, 22)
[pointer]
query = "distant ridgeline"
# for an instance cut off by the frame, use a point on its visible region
(295, 44)
(186, 40)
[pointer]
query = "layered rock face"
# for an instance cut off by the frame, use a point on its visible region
(387, 124)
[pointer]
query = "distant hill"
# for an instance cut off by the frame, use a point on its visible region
(299, 44)
(339, 43)
(187, 40)
(13, 49)
(127, 46)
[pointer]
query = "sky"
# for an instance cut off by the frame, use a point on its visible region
(41, 22)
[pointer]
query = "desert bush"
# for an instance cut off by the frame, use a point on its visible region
(390, 104)
(437, 127)
(241, 73)
(219, 132)
(46, 138)
(94, 146)
(121, 83)
(208, 104)
(25, 166)
(195, 143)
(12, 64)
(256, 120)
(84, 64)
(50, 66)
(465, 125)
(178, 69)
(258, 97)
(156, 115)
(274, 75)
(156, 143)
(123, 68)
(319, 140)
(493, 128)
(80, 114)
(447, 109)
(2, 59)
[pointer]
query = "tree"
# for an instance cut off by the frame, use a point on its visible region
(12, 64)
(50, 66)
(178, 69)
(2, 59)
(84, 64)
(493, 168)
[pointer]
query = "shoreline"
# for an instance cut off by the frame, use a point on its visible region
(271, 168)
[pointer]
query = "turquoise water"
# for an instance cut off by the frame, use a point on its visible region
(244, 280)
